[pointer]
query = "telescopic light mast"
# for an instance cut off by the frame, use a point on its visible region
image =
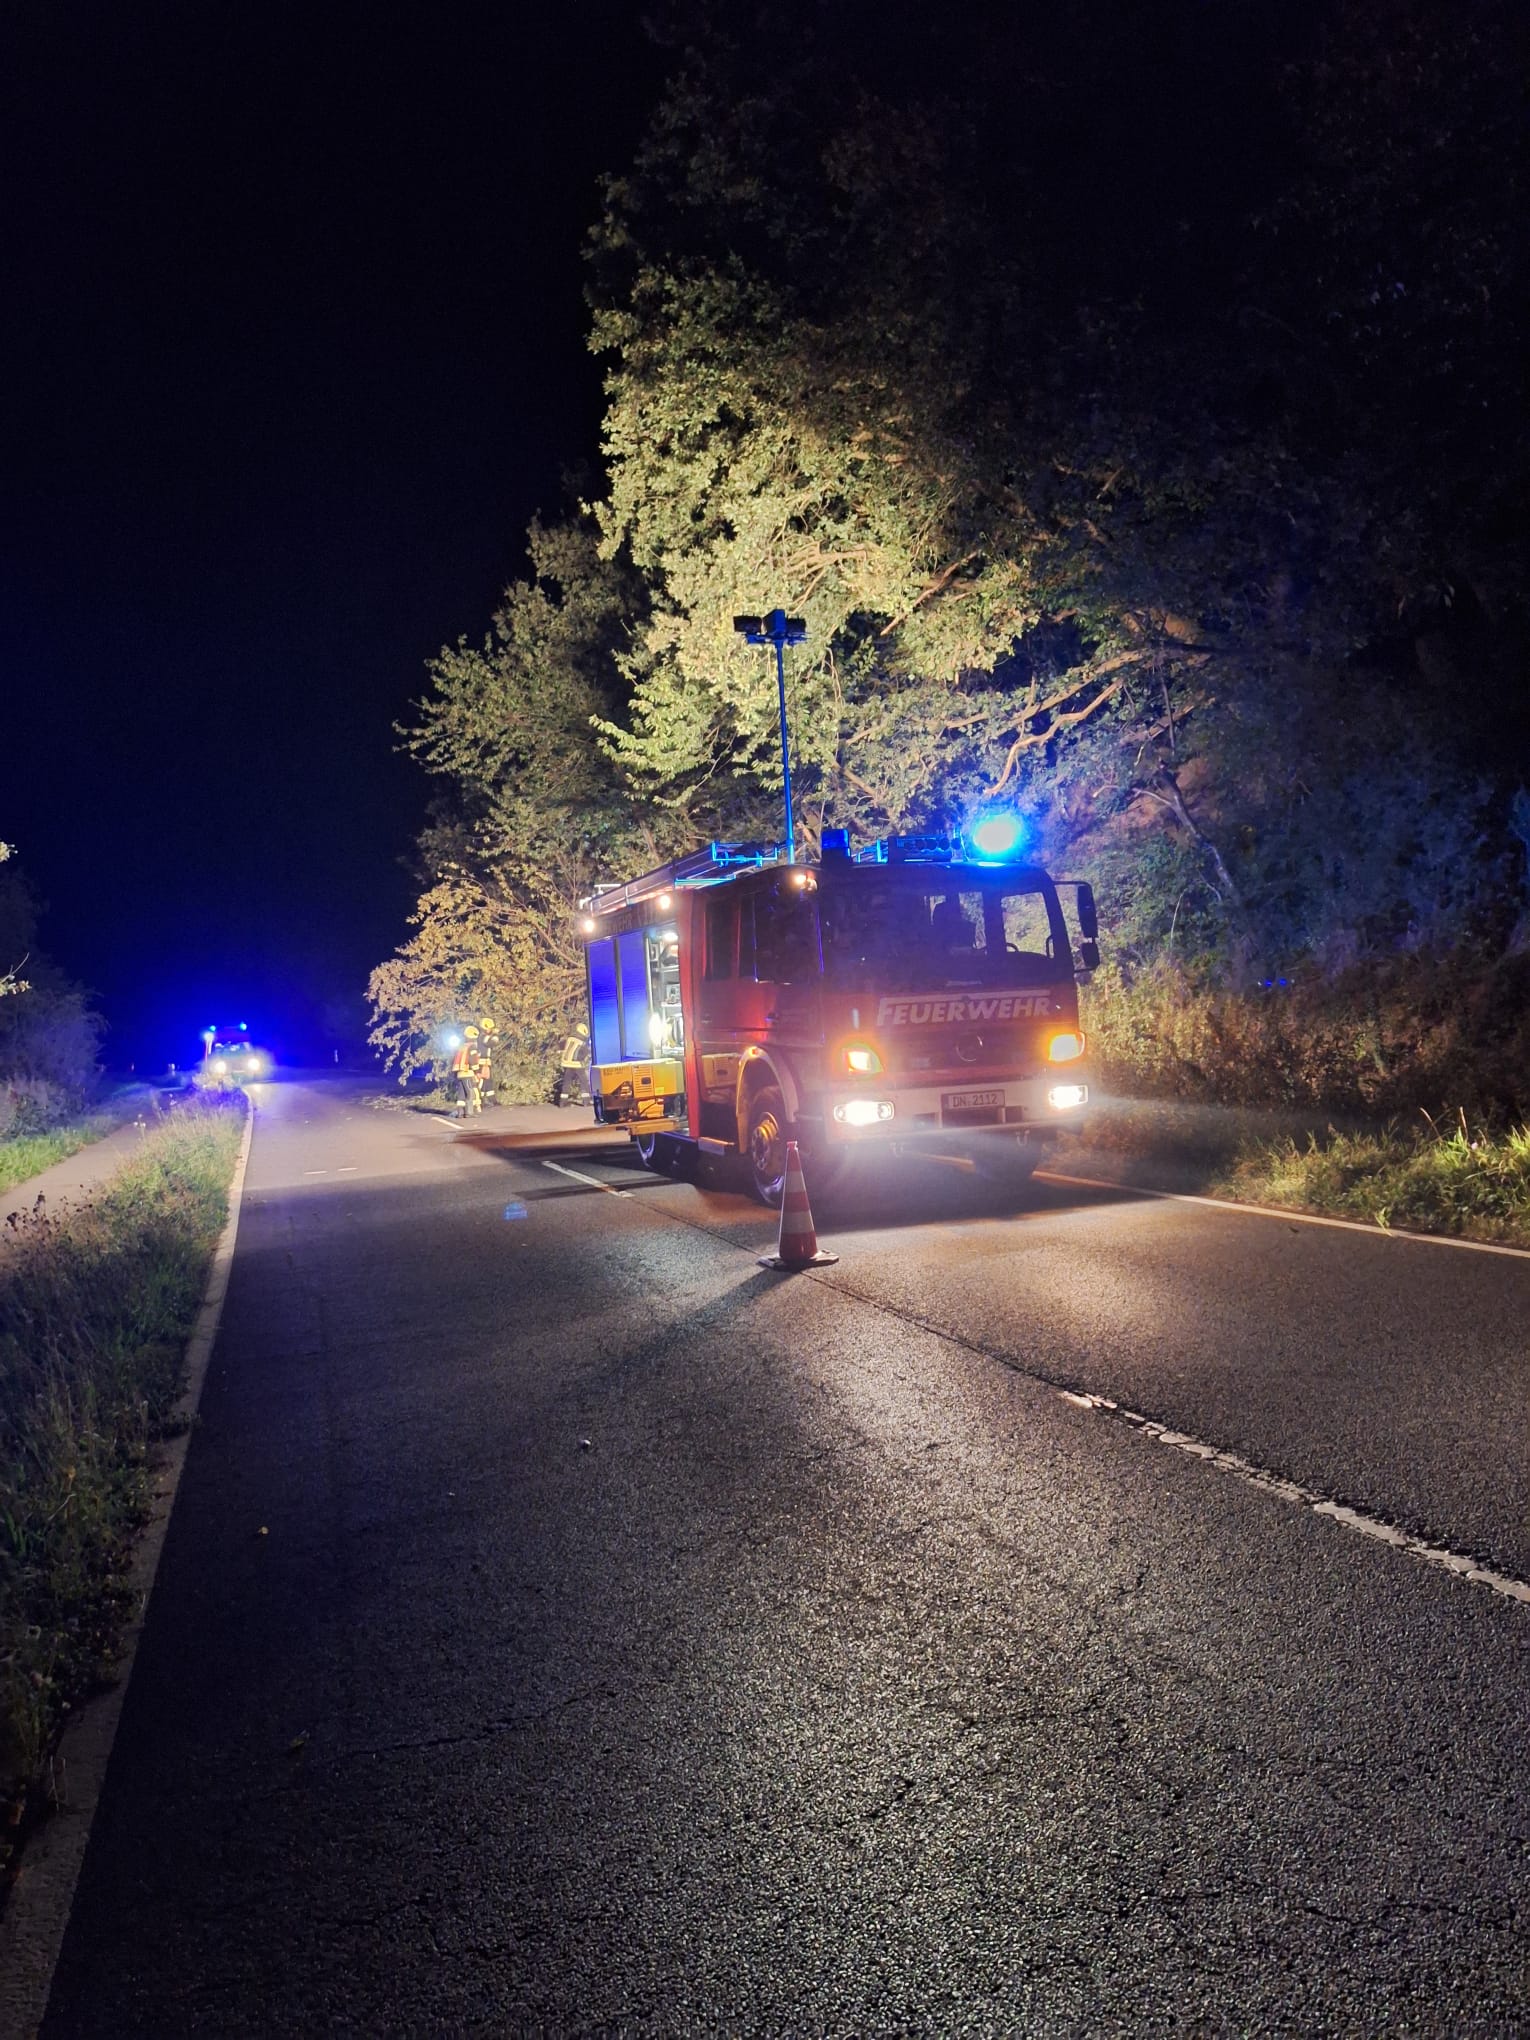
(780, 630)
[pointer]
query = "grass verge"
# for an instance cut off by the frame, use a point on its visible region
(1470, 1184)
(1474, 1186)
(28, 1154)
(95, 1310)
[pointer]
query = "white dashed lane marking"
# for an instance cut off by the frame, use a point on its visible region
(593, 1181)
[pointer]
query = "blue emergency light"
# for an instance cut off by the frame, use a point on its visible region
(996, 837)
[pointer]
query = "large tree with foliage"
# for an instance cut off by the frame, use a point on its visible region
(888, 451)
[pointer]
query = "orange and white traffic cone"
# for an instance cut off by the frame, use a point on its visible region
(797, 1246)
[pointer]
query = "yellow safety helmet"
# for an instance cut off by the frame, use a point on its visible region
(471, 1033)
(487, 1024)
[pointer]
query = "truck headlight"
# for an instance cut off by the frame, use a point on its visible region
(1065, 1047)
(863, 1111)
(862, 1060)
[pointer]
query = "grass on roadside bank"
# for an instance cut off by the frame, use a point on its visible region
(1475, 1186)
(1471, 1183)
(95, 1309)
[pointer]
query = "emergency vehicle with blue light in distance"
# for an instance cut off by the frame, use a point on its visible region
(917, 994)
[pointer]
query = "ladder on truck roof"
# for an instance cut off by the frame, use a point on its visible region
(700, 867)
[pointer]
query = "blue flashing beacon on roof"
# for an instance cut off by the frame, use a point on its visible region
(997, 837)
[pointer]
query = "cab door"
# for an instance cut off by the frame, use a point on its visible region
(787, 960)
(758, 984)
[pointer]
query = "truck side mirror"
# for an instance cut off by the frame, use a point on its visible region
(1089, 954)
(1088, 919)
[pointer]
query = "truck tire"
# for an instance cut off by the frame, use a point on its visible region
(765, 1150)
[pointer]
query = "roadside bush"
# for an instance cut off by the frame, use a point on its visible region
(1393, 1035)
(49, 1038)
(33, 1105)
(95, 1308)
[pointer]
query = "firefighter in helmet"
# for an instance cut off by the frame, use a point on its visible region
(487, 1041)
(464, 1073)
(573, 1078)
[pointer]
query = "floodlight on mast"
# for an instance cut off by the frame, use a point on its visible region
(780, 630)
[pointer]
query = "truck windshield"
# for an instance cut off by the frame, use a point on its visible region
(935, 931)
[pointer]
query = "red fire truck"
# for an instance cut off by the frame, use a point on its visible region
(916, 994)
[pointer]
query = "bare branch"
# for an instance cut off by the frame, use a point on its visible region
(1175, 803)
(1067, 719)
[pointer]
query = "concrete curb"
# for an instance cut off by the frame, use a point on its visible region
(37, 1914)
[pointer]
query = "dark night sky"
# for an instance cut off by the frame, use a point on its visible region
(296, 351)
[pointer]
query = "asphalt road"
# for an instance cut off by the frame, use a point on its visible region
(566, 1624)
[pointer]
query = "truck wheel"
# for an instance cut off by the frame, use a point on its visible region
(765, 1154)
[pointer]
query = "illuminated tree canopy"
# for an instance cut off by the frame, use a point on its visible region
(1194, 551)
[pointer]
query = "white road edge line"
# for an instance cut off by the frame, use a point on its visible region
(594, 1181)
(1438, 1555)
(1375, 1232)
(37, 1913)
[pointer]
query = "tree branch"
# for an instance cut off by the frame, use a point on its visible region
(1174, 801)
(933, 588)
(1067, 719)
